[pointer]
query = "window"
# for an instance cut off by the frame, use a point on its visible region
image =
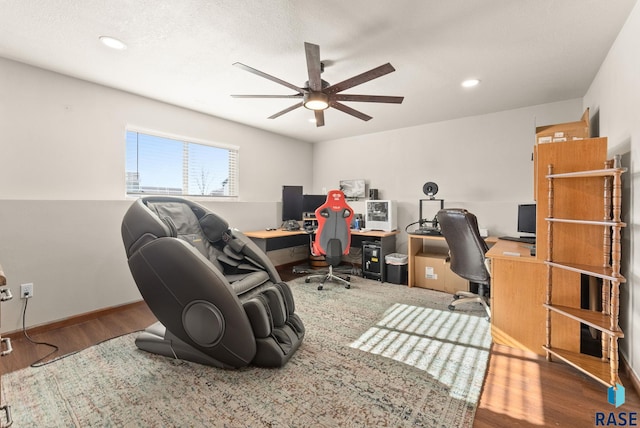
(168, 166)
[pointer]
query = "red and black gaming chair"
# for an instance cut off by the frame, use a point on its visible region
(333, 236)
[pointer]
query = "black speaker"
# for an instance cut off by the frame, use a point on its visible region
(373, 193)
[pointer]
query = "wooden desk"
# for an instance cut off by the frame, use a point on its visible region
(518, 285)
(270, 240)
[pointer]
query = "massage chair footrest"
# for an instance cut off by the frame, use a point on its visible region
(157, 340)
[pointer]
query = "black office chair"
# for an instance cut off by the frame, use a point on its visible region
(467, 252)
(333, 237)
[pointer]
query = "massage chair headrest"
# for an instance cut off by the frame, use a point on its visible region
(155, 217)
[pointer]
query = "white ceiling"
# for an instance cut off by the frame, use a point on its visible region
(525, 52)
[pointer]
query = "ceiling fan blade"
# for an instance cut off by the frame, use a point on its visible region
(351, 111)
(267, 96)
(287, 110)
(360, 78)
(319, 117)
(313, 66)
(269, 77)
(368, 98)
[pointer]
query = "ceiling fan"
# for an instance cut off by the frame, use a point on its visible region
(318, 95)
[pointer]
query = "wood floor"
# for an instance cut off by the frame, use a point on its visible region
(521, 389)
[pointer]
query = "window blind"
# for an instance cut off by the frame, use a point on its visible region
(170, 166)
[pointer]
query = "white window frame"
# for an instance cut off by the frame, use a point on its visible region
(230, 189)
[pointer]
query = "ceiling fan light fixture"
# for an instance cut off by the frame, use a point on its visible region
(316, 101)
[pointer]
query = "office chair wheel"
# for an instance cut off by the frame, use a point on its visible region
(307, 280)
(319, 287)
(348, 278)
(451, 307)
(456, 297)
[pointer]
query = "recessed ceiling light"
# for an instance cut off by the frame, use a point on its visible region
(470, 83)
(113, 43)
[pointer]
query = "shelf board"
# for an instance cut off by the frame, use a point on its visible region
(587, 222)
(592, 173)
(596, 271)
(593, 319)
(591, 366)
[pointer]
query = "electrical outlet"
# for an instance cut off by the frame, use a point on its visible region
(26, 291)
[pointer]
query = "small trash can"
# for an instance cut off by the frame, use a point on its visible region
(396, 267)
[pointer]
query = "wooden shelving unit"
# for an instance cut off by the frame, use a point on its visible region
(604, 369)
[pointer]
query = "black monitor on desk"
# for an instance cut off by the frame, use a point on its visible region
(311, 202)
(527, 225)
(291, 203)
(527, 218)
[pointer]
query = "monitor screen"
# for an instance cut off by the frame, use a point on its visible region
(311, 202)
(527, 218)
(291, 203)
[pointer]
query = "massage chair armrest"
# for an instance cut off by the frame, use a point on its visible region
(254, 254)
(171, 274)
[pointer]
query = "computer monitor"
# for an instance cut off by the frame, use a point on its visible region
(291, 203)
(311, 202)
(527, 218)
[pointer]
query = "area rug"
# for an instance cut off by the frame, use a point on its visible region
(377, 354)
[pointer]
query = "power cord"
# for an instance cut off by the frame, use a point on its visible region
(38, 362)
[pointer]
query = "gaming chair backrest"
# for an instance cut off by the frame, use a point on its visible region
(334, 226)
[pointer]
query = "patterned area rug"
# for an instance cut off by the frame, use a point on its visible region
(377, 354)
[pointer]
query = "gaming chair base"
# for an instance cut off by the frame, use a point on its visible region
(329, 276)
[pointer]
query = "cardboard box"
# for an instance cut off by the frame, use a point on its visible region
(433, 271)
(430, 270)
(564, 131)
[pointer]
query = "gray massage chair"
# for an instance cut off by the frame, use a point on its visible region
(218, 299)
